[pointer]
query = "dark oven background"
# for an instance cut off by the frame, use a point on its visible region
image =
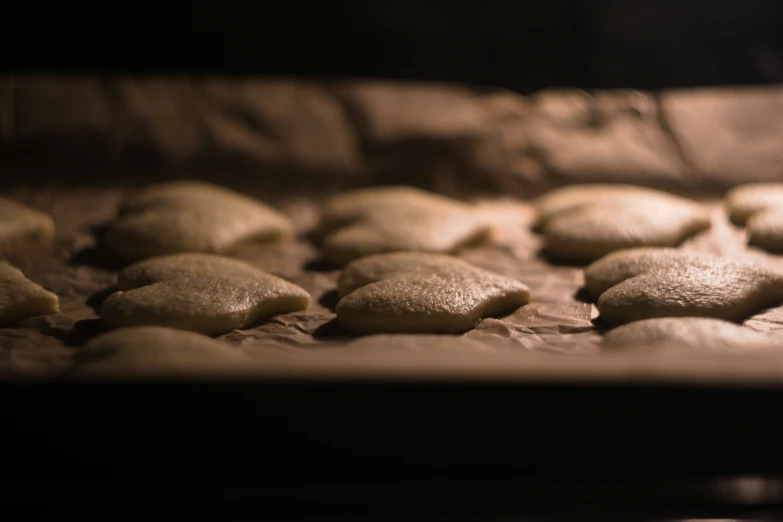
(521, 45)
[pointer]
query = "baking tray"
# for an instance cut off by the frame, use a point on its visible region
(538, 409)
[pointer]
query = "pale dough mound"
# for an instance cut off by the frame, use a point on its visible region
(199, 292)
(696, 334)
(191, 216)
(20, 298)
(427, 343)
(585, 222)
(154, 351)
(396, 219)
(759, 206)
(20, 224)
(643, 283)
(746, 200)
(408, 292)
(765, 230)
(564, 199)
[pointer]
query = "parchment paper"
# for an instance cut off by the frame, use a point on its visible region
(82, 274)
(74, 146)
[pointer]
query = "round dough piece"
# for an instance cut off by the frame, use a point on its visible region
(21, 225)
(765, 230)
(154, 351)
(568, 198)
(396, 219)
(644, 283)
(746, 200)
(585, 222)
(412, 344)
(191, 216)
(616, 267)
(421, 293)
(199, 292)
(688, 334)
(21, 298)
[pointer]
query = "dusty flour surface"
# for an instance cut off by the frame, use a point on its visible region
(82, 273)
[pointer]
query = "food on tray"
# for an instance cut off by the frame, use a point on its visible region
(693, 334)
(585, 222)
(759, 207)
(563, 199)
(21, 225)
(199, 292)
(21, 298)
(643, 283)
(744, 201)
(191, 216)
(765, 230)
(154, 351)
(427, 343)
(410, 292)
(396, 219)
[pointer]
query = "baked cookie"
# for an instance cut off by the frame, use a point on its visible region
(396, 219)
(692, 334)
(154, 351)
(584, 222)
(413, 292)
(199, 292)
(20, 298)
(191, 216)
(643, 283)
(20, 225)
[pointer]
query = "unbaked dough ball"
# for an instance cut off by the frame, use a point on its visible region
(191, 216)
(424, 343)
(21, 298)
(765, 230)
(688, 334)
(21, 225)
(746, 200)
(154, 351)
(644, 283)
(411, 292)
(567, 198)
(584, 222)
(199, 292)
(396, 219)
(759, 206)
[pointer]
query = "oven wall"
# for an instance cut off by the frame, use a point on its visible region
(518, 44)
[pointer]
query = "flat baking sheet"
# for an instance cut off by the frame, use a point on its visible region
(75, 146)
(557, 321)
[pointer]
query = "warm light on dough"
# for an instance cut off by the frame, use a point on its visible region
(644, 283)
(746, 200)
(20, 225)
(20, 298)
(765, 230)
(191, 216)
(154, 351)
(585, 222)
(200, 292)
(424, 343)
(567, 198)
(421, 293)
(396, 219)
(759, 207)
(691, 334)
